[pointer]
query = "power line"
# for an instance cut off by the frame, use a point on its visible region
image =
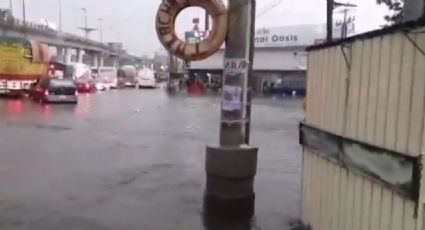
(270, 7)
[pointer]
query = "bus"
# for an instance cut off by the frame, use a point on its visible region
(22, 62)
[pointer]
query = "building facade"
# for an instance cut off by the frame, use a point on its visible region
(280, 59)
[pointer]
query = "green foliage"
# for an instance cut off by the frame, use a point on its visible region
(396, 8)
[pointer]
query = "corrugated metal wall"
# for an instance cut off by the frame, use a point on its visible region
(378, 100)
(337, 199)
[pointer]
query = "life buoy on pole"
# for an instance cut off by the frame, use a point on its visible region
(165, 27)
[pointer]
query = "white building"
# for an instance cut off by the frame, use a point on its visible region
(279, 57)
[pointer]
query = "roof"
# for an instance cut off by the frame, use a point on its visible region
(407, 26)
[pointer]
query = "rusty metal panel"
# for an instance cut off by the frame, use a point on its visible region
(373, 90)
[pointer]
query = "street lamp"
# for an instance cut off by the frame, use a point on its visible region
(85, 21)
(60, 15)
(101, 29)
(24, 12)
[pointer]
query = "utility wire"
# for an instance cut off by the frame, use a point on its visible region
(270, 7)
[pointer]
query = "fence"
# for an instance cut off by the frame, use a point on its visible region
(364, 136)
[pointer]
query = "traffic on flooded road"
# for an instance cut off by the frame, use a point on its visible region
(133, 159)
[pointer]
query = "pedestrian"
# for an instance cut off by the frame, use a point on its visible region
(265, 87)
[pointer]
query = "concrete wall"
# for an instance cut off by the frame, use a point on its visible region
(378, 101)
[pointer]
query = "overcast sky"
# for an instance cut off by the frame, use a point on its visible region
(132, 21)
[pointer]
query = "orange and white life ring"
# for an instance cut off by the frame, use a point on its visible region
(165, 27)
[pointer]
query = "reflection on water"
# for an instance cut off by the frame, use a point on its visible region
(228, 214)
(14, 107)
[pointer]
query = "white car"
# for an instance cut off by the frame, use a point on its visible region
(100, 86)
(146, 79)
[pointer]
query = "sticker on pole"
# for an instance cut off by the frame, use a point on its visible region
(235, 66)
(232, 98)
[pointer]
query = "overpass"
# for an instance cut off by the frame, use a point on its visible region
(64, 43)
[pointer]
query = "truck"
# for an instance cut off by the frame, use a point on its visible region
(106, 77)
(22, 62)
(127, 76)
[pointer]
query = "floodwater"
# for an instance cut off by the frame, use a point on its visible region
(134, 159)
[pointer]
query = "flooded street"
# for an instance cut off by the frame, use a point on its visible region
(134, 159)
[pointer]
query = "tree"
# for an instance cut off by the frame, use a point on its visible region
(396, 8)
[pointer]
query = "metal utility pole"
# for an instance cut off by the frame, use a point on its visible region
(24, 14)
(60, 15)
(101, 29)
(207, 22)
(85, 22)
(329, 19)
(85, 28)
(231, 167)
(11, 6)
(331, 5)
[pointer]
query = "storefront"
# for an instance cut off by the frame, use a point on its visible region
(280, 59)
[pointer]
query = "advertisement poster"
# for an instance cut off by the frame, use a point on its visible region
(232, 98)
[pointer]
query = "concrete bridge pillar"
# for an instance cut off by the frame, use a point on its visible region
(101, 60)
(95, 60)
(80, 54)
(59, 54)
(68, 55)
(115, 61)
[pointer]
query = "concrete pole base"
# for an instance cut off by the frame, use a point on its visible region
(230, 179)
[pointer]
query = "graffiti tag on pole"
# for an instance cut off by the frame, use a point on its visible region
(235, 66)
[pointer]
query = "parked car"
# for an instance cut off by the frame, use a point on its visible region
(86, 85)
(54, 90)
(146, 78)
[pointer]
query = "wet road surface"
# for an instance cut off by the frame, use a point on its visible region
(135, 160)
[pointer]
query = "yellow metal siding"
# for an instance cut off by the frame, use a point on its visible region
(337, 199)
(373, 90)
(417, 104)
(379, 100)
(342, 88)
(383, 84)
(397, 47)
(354, 90)
(364, 91)
(405, 95)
